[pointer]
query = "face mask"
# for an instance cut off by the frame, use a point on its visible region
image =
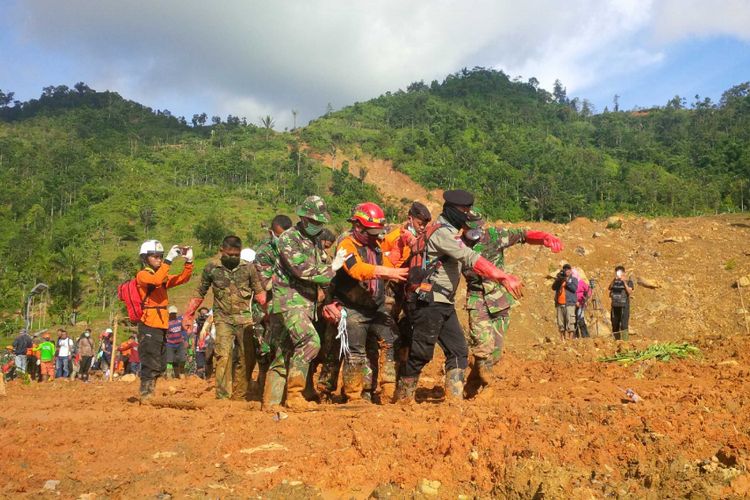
(230, 261)
(455, 216)
(313, 229)
(411, 229)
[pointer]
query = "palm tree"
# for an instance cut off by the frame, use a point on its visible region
(267, 123)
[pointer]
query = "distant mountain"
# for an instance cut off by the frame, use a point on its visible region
(88, 175)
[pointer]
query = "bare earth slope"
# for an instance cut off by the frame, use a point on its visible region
(555, 425)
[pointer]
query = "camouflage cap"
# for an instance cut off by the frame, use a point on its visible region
(314, 208)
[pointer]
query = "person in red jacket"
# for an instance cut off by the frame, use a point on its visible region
(153, 281)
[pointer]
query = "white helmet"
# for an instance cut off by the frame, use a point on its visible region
(151, 246)
(247, 254)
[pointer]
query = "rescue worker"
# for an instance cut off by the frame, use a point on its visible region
(397, 246)
(433, 277)
(488, 302)
(234, 284)
(359, 289)
(299, 284)
(153, 281)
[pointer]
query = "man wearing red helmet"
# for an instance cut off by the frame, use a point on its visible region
(359, 289)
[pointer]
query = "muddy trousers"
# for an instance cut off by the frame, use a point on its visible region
(487, 333)
(362, 324)
(333, 360)
(295, 343)
(433, 323)
(233, 379)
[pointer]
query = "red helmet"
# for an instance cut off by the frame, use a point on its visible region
(369, 214)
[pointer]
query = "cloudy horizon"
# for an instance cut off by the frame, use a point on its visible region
(250, 59)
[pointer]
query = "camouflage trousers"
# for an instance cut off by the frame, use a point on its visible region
(366, 331)
(233, 380)
(293, 343)
(487, 333)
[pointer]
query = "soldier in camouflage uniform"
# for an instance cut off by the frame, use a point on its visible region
(299, 284)
(266, 259)
(488, 302)
(233, 282)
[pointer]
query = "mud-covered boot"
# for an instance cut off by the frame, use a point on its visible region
(388, 382)
(147, 390)
(406, 389)
(454, 384)
(295, 386)
(273, 392)
(354, 380)
(484, 371)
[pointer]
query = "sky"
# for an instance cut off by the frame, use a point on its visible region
(254, 58)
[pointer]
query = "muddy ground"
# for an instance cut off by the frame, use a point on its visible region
(556, 424)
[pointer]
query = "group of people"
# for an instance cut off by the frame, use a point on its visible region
(308, 306)
(308, 301)
(40, 358)
(572, 294)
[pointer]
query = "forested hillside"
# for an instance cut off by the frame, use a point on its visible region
(534, 155)
(88, 175)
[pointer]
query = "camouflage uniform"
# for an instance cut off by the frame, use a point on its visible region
(266, 258)
(233, 290)
(488, 302)
(297, 281)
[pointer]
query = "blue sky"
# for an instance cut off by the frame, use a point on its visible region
(251, 58)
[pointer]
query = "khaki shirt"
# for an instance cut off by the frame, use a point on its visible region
(446, 243)
(233, 290)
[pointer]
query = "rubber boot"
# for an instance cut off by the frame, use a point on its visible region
(483, 369)
(273, 392)
(147, 389)
(406, 389)
(388, 382)
(354, 380)
(177, 370)
(295, 385)
(454, 384)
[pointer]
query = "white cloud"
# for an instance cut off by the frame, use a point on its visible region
(252, 58)
(675, 20)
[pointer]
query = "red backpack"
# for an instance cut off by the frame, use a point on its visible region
(128, 293)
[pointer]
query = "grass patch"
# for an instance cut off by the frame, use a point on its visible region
(659, 352)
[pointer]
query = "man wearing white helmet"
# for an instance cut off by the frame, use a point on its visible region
(153, 281)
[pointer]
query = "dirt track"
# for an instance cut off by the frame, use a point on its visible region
(556, 425)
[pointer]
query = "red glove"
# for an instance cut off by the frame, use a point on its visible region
(187, 318)
(332, 312)
(548, 240)
(487, 269)
(260, 298)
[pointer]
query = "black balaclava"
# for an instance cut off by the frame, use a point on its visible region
(452, 214)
